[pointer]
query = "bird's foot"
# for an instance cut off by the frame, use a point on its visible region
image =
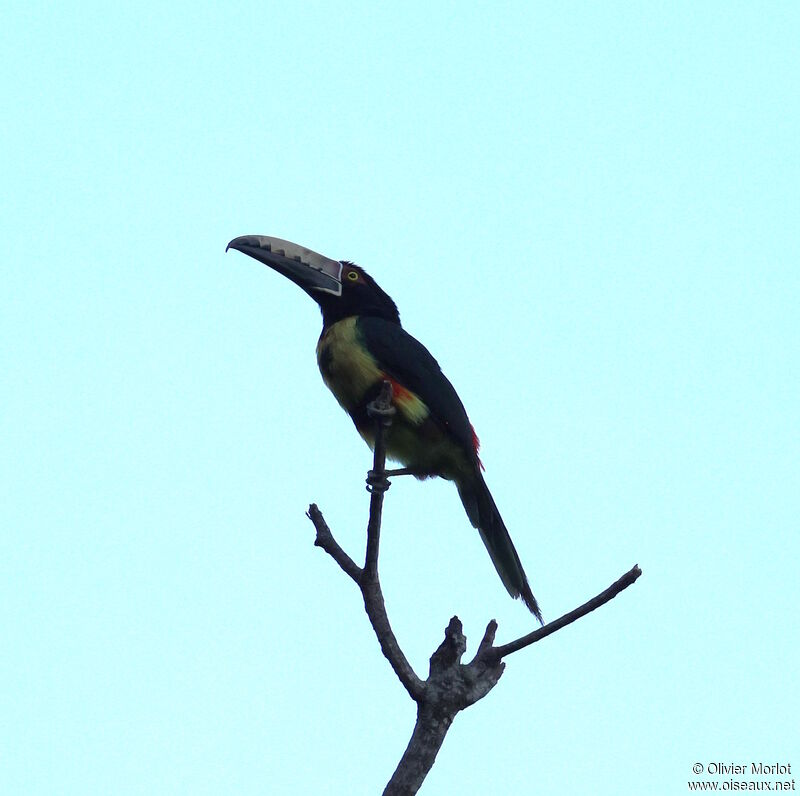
(422, 474)
(381, 408)
(402, 471)
(377, 481)
(380, 480)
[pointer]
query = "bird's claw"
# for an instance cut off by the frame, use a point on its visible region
(382, 407)
(384, 412)
(377, 481)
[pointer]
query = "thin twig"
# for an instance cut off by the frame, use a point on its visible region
(367, 578)
(601, 599)
(326, 541)
(382, 410)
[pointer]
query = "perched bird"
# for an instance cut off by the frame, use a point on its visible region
(362, 345)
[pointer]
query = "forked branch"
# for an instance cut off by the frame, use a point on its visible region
(451, 685)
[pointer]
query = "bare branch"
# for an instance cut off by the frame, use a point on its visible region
(488, 639)
(373, 605)
(376, 611)
(449, 652)
(367, 578)
(377, 483)
(451, 685)
(420, 754)
(326, 541)
(567, 619)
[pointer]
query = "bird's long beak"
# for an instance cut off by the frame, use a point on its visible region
(311, 271)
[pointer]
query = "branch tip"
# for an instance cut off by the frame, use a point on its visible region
(612, 591)
(488, 639)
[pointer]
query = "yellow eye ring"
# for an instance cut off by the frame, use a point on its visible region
(352, 276)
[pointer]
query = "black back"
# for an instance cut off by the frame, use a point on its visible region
(407, 361)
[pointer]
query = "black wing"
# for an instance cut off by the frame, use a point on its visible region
(407, 361)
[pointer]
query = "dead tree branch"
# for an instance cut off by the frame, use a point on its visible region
(366, 577)
(451, 685)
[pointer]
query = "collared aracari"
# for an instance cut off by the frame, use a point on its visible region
(362, 345)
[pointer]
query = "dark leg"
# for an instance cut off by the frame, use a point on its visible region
(377, 480)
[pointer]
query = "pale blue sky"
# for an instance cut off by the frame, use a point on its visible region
(589, 214)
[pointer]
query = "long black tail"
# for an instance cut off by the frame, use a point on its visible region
(484, 516)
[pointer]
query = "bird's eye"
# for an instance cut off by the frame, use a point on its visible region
(352, 276)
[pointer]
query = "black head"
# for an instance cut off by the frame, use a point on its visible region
(341, 288)
(360, 295)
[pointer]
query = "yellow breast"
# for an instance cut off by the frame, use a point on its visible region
(347, 368)
(349, 371)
